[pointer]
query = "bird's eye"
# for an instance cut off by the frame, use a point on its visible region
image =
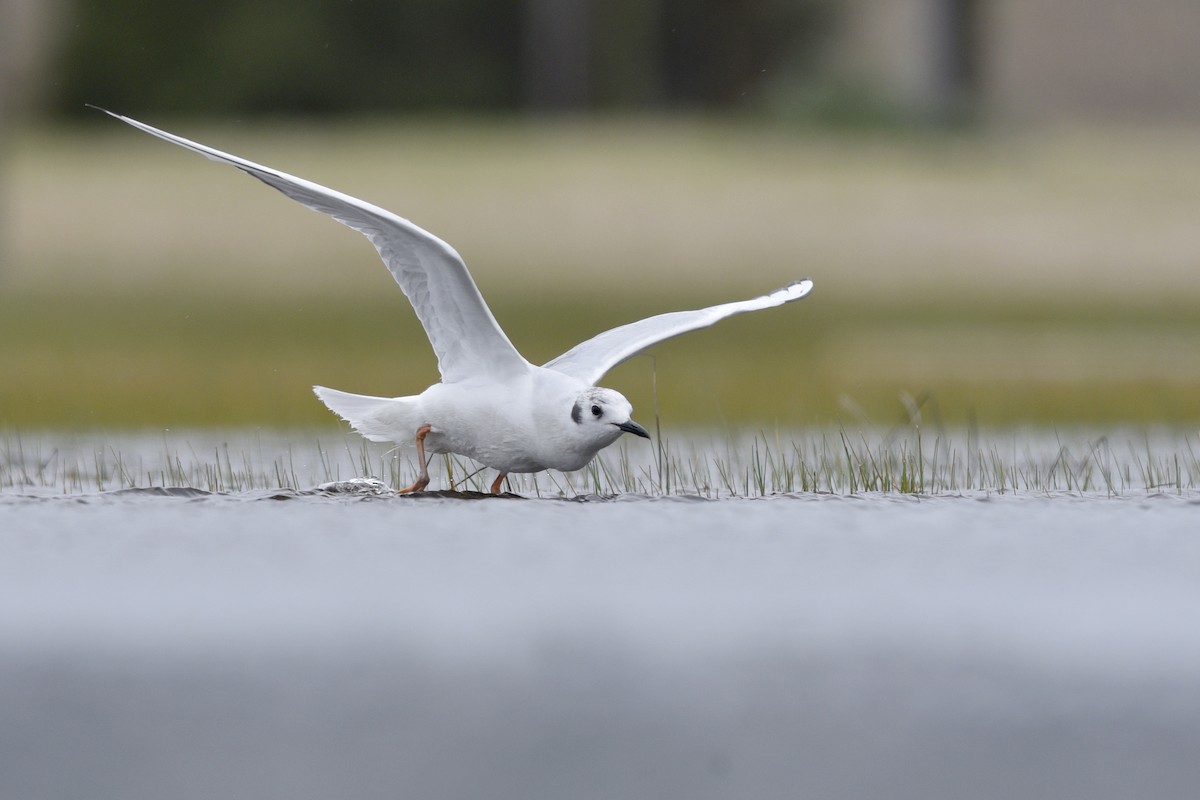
(596, 411)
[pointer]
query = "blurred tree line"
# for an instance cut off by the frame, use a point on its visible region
(324, 57)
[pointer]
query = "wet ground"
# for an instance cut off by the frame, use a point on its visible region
(310, 645)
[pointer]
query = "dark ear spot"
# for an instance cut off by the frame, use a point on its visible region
(577, 413)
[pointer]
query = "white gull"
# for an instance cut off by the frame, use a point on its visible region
(491, 405)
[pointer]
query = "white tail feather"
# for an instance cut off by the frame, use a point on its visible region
(380, 419)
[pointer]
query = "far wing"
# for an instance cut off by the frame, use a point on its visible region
(591, 359)
(464, 334)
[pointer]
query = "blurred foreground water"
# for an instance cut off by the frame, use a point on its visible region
(313, 644)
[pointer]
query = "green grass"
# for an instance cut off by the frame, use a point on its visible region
(907, 461)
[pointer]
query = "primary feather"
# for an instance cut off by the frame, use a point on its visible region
(465, 336)
(589, 360)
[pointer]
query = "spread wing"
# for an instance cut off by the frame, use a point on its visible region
(591, 359)
(464, 334)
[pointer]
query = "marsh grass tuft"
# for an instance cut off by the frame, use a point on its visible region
(840, 461)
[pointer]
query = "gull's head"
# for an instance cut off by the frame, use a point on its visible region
(602, 415)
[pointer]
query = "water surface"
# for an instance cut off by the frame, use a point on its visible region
(309, 644)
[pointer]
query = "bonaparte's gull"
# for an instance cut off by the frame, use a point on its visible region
(491, 405)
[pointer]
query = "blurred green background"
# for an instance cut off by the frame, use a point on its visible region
(999, 203)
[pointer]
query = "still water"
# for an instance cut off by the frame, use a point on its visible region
(296, 644)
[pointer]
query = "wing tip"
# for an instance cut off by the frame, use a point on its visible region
(103, 110)
(793, 291)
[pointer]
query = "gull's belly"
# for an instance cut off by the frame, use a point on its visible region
(481, 427)
(500, 448)
(508, 449)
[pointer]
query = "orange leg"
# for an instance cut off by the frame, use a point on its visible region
(499, 480)
(423, 478)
